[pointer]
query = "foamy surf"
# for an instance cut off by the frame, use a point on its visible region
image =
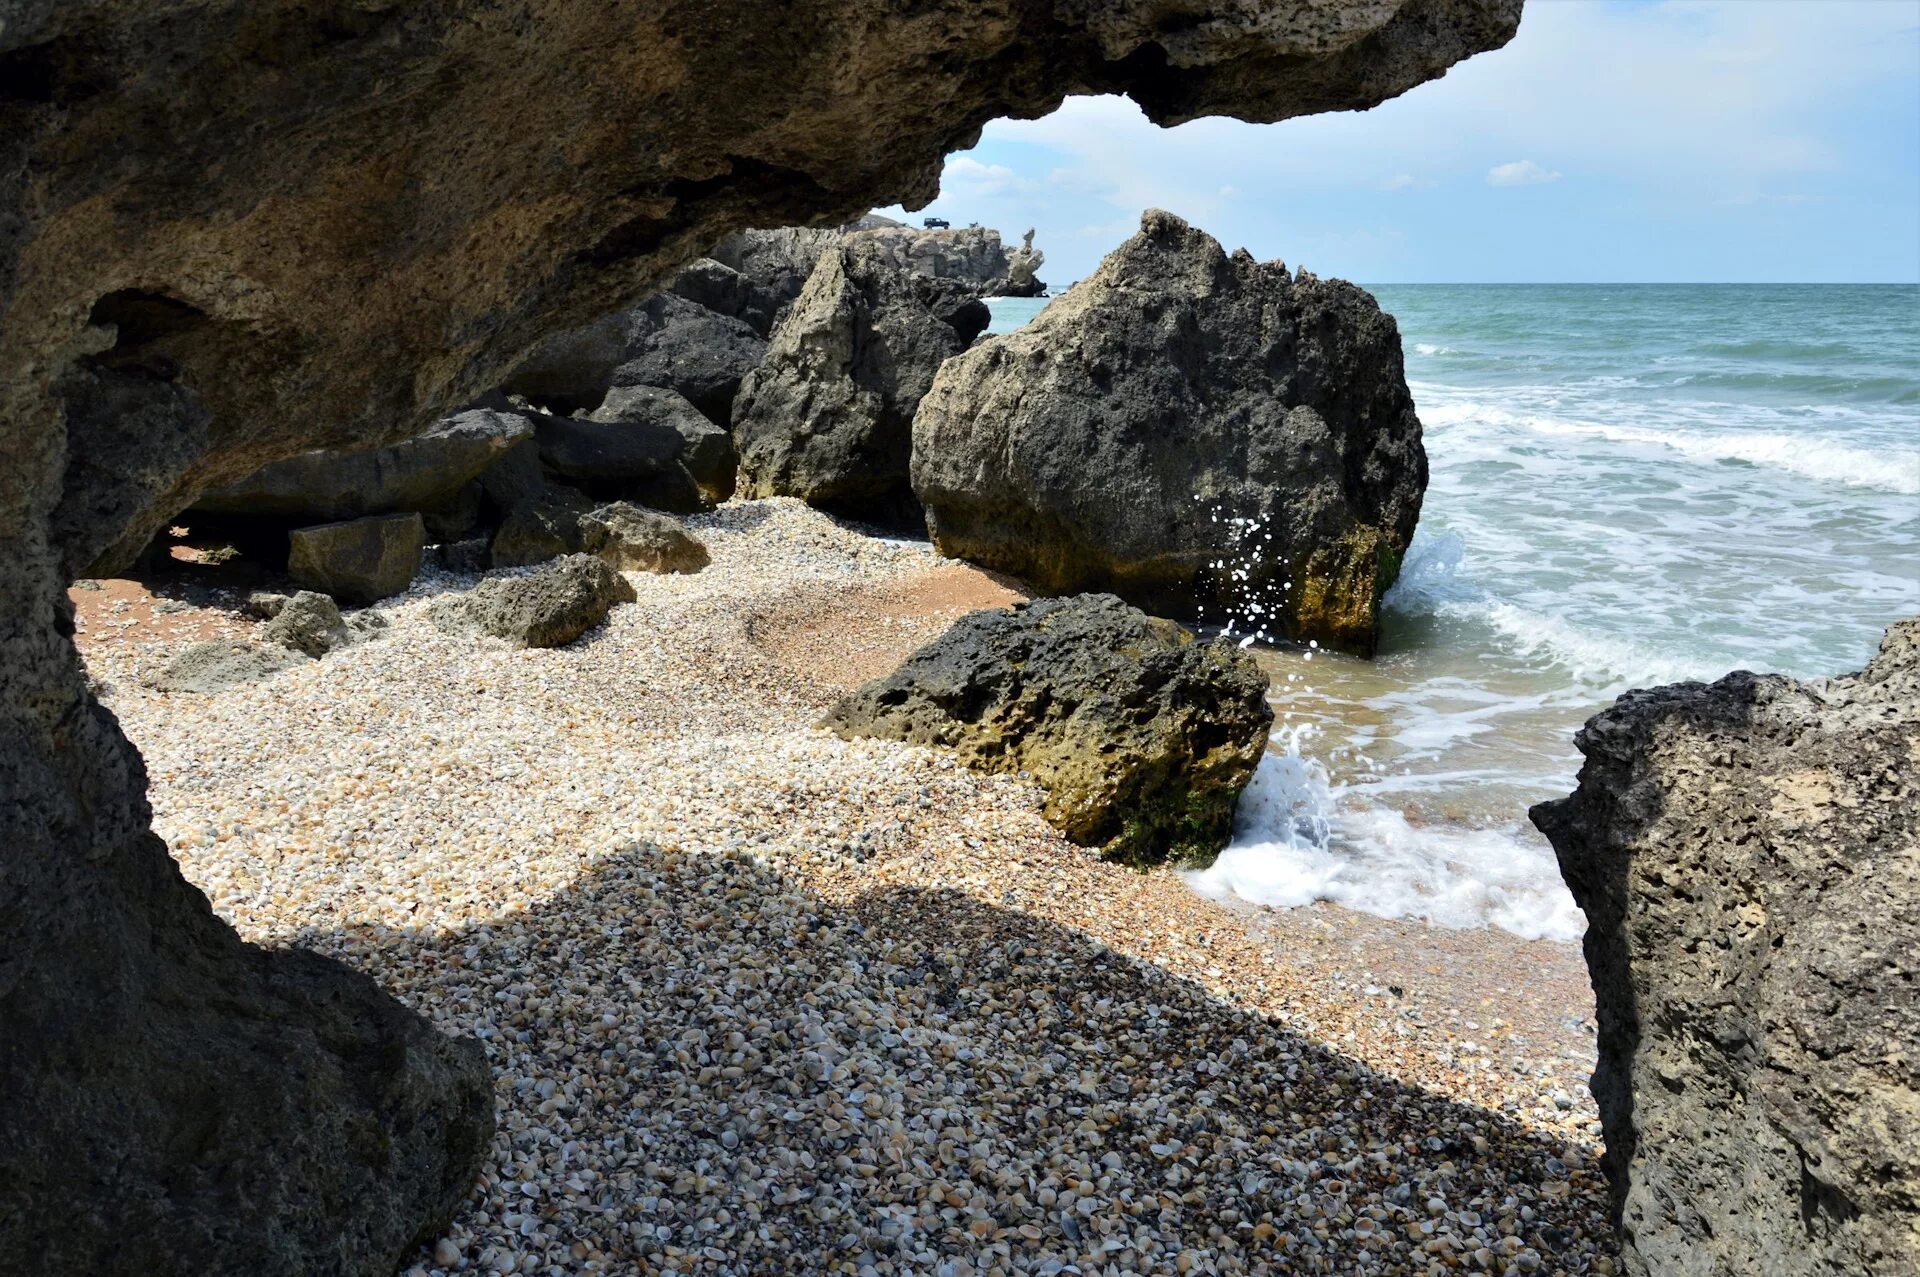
(1891, 469)
(1431, 582)
(1299, 839)
(1611, 505)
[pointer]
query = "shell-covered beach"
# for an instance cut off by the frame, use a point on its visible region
(757, 999)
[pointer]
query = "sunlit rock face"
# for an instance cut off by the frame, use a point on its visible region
(1748, 857)
(236, 230)
(1200, 433)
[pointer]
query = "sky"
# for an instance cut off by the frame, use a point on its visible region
(1611, 140)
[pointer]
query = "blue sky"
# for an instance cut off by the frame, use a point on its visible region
(1774, 140)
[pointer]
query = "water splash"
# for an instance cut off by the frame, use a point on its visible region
(1300, 838)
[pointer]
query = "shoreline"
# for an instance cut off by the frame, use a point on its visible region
(459, 820)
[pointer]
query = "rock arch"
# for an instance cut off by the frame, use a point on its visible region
(231, 231)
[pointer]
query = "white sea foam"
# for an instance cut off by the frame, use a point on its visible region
(1298, 838)
(1893, 469)
(1431, 582)
(1429, 349)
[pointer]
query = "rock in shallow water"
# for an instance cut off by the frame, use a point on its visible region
(1142, 737)
(1203, 435)
(1748, 857)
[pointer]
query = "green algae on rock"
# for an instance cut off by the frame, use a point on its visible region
(1142, 737)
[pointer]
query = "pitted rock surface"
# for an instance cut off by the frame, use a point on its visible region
(1142, 737)
(1199, 433)
(1748, 857)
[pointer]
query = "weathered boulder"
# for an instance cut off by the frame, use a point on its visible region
(1200, 434)
(423, 474)
(309, 623)
(665, 341)
(773, 266)
(706, 449)
(360, 560)
(630, 458)
(693, 350)
(828, 415)
(1748, 857)
(724, 291)
(1142, 737)
(542, 526)
(549, 607)
(634, 540)
(231, 232)
(218, 664)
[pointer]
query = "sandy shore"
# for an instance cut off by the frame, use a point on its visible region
(760, 1000)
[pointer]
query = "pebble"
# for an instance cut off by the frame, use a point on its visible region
(724, 1045)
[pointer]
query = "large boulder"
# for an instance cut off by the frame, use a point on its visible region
(706, 449)
(638, 456)
(665, 341)
(425, 474)
(359, 560)
(549, 607)
(231, 232)
(1748, 857)
(634, 540)
(1142, 737)
(692, 350)
(772, 266)
(828, 415)
(1203, 435)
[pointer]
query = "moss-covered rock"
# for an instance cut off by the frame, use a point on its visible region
(1142, 737)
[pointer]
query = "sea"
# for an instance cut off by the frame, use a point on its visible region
(1632, 485)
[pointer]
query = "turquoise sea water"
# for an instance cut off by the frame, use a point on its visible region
(1631, 485)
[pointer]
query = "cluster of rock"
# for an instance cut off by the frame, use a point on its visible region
(1748, 857)
(811, 348)
(299, 628)
(1207, 436)
(1142, 737)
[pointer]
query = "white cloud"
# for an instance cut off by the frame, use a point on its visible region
(968, 177)
(1520, 173)
(1692, 103)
